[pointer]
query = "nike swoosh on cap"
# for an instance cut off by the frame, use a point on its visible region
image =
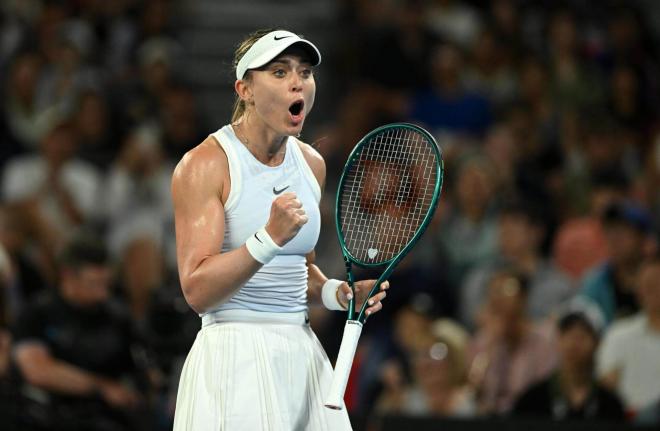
(281, 37)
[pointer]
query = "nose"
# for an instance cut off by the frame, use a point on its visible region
(296, 82)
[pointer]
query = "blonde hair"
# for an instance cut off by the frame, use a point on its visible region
(456, 338)
(241, 49)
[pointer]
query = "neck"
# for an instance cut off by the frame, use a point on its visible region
(263, 142)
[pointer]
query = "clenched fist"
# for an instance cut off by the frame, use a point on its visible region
(287, 216)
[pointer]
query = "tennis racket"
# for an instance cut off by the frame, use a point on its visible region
(387, 195)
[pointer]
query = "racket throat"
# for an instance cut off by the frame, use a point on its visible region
(351, 283)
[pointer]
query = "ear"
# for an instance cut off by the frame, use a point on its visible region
(243, 90)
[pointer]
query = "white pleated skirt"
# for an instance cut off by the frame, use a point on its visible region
(256, 371)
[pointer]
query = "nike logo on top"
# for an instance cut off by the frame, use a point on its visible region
(281, 37)
(277, 192)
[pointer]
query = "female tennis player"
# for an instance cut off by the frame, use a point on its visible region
(247, 220)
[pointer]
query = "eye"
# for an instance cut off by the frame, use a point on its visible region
(306, 73)
(280, 73)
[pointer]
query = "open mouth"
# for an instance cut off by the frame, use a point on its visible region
(296, 108)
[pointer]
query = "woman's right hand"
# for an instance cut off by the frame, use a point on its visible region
(287, 217)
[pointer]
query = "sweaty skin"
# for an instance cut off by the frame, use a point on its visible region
(201, 185)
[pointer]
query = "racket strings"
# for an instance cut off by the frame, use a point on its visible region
(387, 194)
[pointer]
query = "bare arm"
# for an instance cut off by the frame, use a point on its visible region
(199, 188)
(42, 370)
(315, 280)
(207, 276)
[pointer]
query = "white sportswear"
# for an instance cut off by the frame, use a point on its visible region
(281, 284)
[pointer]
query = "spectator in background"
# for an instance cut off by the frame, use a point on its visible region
(602, 149)
(395, 56)
(508, 352)
(75, 349)
(572, 392)
(468, 236)
(57, 191)
(439, 368)
(138, 207)
(574, 84)
(535, 97)
(652, 179)
(504, 17)
(501, 147)
(156, 61)
(455, 21)
(137, 189)
(626, 99)
(179, 120)
(95, 130)
(391, 61)
(629, 41)
(521, 233)
(435, 351)
(7, 387)
(155, 18)
(23, 122)
(448, 107)
(5, 336)
(25, 277)
(611, 285)
(490, 72)
(66, 72)
(579, 243)
(115, 34)
(629, 357)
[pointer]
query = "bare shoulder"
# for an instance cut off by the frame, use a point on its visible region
(205, 165)
(314, 160)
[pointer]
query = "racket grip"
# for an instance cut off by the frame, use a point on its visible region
(335, 397)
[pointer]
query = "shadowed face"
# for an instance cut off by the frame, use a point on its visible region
(517, 236)
(624, 243)
(506, 303)
(87, 286)
(577, 345)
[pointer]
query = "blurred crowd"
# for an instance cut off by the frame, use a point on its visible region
(93, 117)
(535, 293)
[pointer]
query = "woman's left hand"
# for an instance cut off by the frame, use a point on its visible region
(362, 289)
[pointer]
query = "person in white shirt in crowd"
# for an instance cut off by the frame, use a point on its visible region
(629, 358)
(56, 191)
(138, 206)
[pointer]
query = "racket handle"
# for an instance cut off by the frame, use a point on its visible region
(335, 397)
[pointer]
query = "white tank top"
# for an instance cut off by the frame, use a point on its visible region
(281, 284)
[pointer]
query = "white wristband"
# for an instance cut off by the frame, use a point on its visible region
(329, 295)
(262, 247)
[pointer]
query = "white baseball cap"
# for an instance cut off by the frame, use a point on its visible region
(270, 46)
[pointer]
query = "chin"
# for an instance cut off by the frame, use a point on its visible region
(294, 130)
